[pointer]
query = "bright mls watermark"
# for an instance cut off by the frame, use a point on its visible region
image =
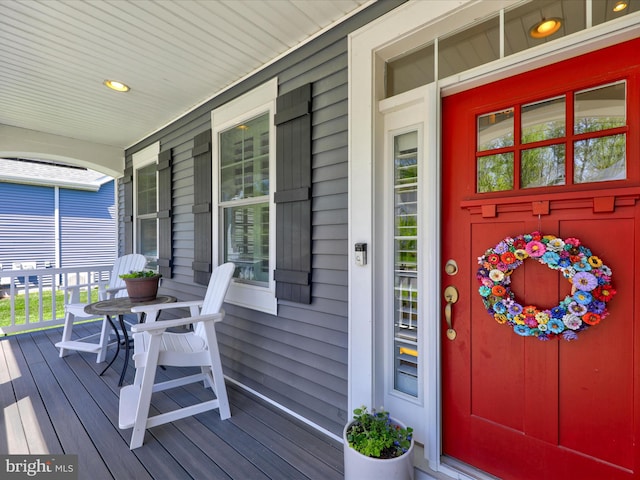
(50, 467)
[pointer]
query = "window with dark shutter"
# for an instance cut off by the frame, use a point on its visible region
(201, 209)
(293, 195)
(243, 180)
(146, 172)
(165, 227)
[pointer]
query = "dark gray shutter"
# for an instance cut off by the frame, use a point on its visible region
(293, 195)
(127, 186)
(201, 154)
(165, 227)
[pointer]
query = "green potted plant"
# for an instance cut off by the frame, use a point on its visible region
(142, 285)
(377, 446)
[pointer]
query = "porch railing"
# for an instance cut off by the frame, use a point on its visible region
(35, 298)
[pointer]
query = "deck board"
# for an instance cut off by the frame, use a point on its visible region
(41, 437)
(10, 401)
(62, 405)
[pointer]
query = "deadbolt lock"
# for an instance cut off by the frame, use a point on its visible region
(451, 267)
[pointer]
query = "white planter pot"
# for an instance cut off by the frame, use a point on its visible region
(359, 467)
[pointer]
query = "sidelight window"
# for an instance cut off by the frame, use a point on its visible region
(406, 263)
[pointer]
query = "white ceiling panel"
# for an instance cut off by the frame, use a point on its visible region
(174, 54)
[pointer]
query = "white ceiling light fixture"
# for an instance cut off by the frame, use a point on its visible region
(117, 86)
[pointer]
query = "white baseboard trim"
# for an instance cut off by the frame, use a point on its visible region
(285, 409)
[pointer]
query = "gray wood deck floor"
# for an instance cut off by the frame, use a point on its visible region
(50, 405)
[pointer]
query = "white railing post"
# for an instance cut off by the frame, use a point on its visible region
(52, 280)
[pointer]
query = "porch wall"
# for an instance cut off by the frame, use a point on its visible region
(299, 358)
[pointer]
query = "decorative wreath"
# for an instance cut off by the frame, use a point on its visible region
(589, 276)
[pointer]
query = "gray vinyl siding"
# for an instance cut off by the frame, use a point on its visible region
(125, 210)
(298, 358)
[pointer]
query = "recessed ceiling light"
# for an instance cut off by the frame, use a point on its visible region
(545, 27)
(117, 86)
(621, 5)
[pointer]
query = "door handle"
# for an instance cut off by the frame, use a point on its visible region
(451, 297)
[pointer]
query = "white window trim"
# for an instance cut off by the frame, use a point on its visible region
(141, 159)
(249, 105)
(404, 113)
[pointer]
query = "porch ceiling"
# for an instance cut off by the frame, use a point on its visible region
(173, 54)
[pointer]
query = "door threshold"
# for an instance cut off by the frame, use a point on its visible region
(450, 469)
(464, 471)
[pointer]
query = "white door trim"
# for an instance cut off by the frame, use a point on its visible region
(410, 25)
(368, 48)
(403, 113)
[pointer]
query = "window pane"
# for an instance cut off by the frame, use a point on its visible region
(405, 328)
(600, 108)
(543, 167)
(147, 236)
(244, 160)
(605, 12)
(495, 173)
(543, 120)
(495, 130)
(406, 336)
(600, 159)
(469, 48)
(246, 241)
(518, 22)
(146, 185)
(410, 71)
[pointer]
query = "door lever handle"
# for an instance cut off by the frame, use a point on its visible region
(451, 297)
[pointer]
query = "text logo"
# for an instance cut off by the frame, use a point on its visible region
(49, 467)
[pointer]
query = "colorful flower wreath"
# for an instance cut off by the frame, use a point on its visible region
(590, 293)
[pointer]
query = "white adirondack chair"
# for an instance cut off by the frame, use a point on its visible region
(154, 346)
(74, 310)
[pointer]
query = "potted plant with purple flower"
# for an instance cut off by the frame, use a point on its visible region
(377, 446)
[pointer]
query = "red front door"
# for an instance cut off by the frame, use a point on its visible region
(515, 406)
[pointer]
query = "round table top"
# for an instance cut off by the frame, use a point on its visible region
(122, 305)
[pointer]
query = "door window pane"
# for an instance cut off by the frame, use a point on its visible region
(600, 159)
(543, 120)
(495, 130)
(495, 173)
(598, 141)
(600, 108)
(405, 325)
(543, 167)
